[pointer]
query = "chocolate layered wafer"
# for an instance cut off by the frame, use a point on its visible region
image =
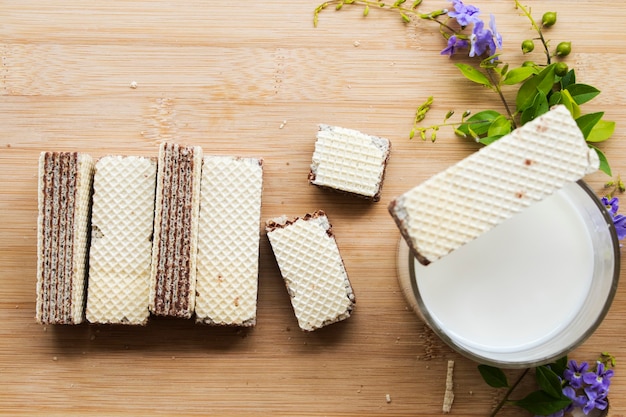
(121, 240)
(313, 270)
(490, 186)
(174, 249)
(228, 242)
(65, 180)
(349, 161)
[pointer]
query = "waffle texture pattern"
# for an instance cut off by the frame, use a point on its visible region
(228, 241)
(349, 161)
(490, 186)
(314, 273)
(121, 240)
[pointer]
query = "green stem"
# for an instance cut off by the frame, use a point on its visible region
(537, 29)
(498, 89)
(508, 393)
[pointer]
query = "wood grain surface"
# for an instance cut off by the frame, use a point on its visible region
(254, 79)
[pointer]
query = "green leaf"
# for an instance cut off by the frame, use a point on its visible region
(554, 98)
(588, 121)
(499, 127)
(538, 107)
(478, 124)
(489, 139)
(474, 75)
(528, 90)
(517, 75)
(569, 102)
(582, 93)
(568, 79)
(604, 163)
(549, 381)
(541, 403)
(494, 377)
(602, 131)
(559, 365)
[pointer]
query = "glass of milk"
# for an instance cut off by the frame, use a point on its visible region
(528, 291)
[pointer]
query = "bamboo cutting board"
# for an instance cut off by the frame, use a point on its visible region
(255, 79)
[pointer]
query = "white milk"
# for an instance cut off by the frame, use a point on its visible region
(515, 286)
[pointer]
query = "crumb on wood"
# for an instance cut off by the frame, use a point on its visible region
(388, 398)
(448, 397)
(133, 84)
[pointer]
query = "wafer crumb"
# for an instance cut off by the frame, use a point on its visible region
(133, 84)
(388, 398)
(448, 397)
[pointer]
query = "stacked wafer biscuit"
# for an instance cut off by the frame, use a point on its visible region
(143, 246)
(178, 235)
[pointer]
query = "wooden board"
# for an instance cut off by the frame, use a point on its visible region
(254, 79)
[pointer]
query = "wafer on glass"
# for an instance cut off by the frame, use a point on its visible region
(490, 186)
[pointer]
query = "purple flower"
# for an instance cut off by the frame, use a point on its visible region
(577, 400)
(598, 380)
(464, 14)
(481, 40)
(595, 399)
(573, 374)
(496, 35)
(620, 226)
(611, 205)
(454, 43)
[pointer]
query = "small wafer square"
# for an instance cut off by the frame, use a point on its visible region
(228, 241)
(174, 249)
(490, 186)
(64, 196)
(121, 240)
(313, 270)
(349, 161)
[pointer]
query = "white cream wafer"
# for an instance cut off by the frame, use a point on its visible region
(64, 196)
(311, 265)
(174, 249)
(121, 240)
(466, 200)
(228, 241)
(349, 161)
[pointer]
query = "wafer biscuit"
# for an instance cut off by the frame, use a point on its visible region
(349, 161)
(466, 200)
(174, 249)
(121, 240)
(311, 265)
(64, 193)
(228, 241)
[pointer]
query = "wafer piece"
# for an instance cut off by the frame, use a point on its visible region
(311, 265)
(174, 249)
(459, 204)
(349, 161)
(64, 196)
(228, 241)
(121, 240)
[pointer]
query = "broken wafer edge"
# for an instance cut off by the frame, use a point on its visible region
(121, 240)
(349, 161)
(493, 184)
(64, 194)
(312, 268)
(228, 242)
